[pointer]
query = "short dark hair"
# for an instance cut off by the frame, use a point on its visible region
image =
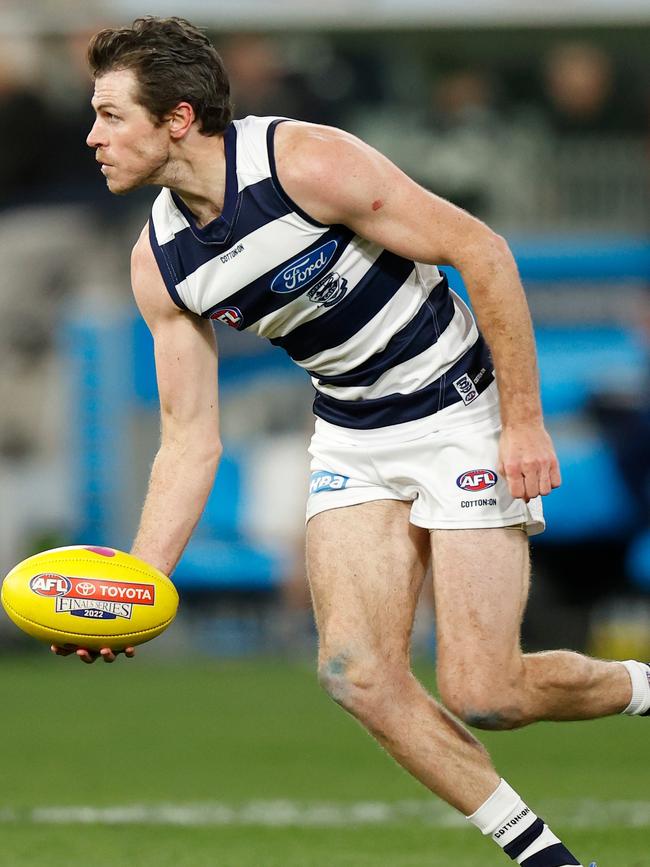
(173, 62)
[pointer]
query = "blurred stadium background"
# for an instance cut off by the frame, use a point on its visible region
(536, 117)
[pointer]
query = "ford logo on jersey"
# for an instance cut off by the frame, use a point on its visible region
(477, 480)
(324, 481)
(302, 271)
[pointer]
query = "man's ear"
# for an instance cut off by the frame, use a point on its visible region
(180, 119)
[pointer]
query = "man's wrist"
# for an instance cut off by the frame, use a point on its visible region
(532, 417)
(528, 421)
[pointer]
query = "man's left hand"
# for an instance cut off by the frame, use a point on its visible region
(89, 656)
(528, 461)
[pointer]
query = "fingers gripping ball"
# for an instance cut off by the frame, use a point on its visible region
(89, 596)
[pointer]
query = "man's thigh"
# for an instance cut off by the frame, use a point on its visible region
(481, 582)
(366, 564)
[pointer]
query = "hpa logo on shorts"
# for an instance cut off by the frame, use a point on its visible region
(324, 481)
(477, 480)
(302, 272)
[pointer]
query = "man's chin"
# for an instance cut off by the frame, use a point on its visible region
(120, 188)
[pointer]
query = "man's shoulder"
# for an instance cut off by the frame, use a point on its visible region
(318, 166)
(152, 292)
(166, 218)
(262, 127)
(258, 120)
(142, 256)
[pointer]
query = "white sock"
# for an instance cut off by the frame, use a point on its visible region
(640, 676)
(520, 833)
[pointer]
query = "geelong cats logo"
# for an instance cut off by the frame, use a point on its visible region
(328, 291)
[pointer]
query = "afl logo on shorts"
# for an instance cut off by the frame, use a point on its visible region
(231, 316)
(477, 480)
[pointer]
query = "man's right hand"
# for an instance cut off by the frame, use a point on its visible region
(90, 656)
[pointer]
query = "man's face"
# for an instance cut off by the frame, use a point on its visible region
(132, 150)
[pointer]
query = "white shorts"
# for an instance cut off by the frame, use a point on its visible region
(448, 471)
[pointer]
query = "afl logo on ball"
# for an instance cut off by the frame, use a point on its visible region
(50, 584)
(477, 480)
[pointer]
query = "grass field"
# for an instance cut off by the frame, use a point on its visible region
(247, 764)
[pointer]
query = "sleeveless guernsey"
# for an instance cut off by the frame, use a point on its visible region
(384, 338)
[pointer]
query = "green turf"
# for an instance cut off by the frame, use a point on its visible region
(232, 847)
(139, 733)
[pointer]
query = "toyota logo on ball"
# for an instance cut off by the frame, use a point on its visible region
(85, 588)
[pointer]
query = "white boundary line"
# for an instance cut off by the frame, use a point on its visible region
(585, 813)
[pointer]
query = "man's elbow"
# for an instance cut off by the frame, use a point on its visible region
(210, 454)
(217, 451)
(498, 246)
(200, 449)
(484, 250)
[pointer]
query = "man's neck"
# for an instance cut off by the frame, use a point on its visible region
(198, 176)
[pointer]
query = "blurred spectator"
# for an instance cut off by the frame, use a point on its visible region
(625, 420)
(584, 94)
(462, 98)
(464, 123)
(73, 172)
(24, 163)
(263, 84)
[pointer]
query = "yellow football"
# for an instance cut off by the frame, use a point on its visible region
(90, 596)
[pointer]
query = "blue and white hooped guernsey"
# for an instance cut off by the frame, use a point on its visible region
(384, 339)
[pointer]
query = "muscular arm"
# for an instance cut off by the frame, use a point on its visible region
(185, 465)
(184, 468)
(338, 179)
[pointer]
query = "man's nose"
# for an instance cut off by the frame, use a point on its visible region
(93, 139)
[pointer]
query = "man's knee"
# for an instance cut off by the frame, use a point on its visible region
(334, 677)
(483, 702)
(358, 682)
(493, 716)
